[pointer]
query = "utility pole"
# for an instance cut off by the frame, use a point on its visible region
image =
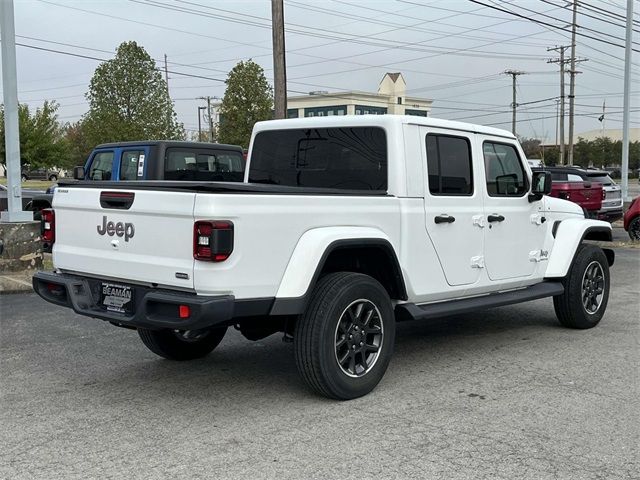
(166, 80)
(557, 119)
(14, 211)
(514, 74)
(279, 62)
(166, 73)
(208, 99)
(210, 119)
(200, 123)
(627, 102)
(572, 82)
(561, 61)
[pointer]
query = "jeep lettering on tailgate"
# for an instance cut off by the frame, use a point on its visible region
(120, 229)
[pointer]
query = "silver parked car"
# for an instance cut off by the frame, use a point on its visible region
(611, 209)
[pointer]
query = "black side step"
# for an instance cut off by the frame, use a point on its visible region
(411, 311)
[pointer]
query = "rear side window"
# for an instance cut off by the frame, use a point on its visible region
(449, 165)
(352, 158)
(101, 166)
(503, 169)
(131, 161)
(203, 165)
(572, 177)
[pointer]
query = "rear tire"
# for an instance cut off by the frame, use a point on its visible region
(182, 344)
(634, 229)
(344, 341)
(586, 289)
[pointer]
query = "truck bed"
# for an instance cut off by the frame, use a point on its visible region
(214, 187)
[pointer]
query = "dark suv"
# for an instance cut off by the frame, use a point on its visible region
(40, 174)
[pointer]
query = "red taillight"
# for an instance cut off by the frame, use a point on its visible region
(565, 195)
(212, 240)
(48, 225)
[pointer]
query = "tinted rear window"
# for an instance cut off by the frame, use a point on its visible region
(352, 158)
(603, 179)
(203, 165)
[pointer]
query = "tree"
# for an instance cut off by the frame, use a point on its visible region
(128, 100)
(248, 99)
(78, 143)
(42, 143)
(531, 147)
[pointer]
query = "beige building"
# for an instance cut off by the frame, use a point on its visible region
(612, 134)
(390, 99)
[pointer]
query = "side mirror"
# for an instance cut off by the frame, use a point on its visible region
(78, 173)
(540, 185)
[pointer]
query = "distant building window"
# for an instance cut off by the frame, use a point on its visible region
(417, 113)
(399, 100)
(292, 113)
(369, 110)
(325, 111)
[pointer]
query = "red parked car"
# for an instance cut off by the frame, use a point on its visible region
(632, 219)
(573, 184)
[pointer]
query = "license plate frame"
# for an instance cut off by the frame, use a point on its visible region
(116, 297)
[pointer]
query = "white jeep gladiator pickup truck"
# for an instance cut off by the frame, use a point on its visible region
(343, 226)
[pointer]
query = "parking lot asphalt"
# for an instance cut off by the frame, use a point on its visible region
(505, 393)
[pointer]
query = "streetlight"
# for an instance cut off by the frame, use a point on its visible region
(199, 123)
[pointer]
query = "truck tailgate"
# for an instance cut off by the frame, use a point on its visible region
(150, 241)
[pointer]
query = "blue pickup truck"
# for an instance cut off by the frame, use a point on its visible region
(156, 160)
(164, 160)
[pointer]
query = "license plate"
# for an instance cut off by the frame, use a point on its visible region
(117, 298)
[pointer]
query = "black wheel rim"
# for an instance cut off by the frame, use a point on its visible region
(358, 338)
(191, 336)
(593, 287)
(634, 230)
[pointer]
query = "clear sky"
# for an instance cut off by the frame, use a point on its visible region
(451, 51)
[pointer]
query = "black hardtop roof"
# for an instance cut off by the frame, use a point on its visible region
(572, 169)
(170, 143)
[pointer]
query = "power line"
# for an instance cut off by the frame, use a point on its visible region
(509, 12)
(105, 60)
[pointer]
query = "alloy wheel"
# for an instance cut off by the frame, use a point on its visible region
(358, 338)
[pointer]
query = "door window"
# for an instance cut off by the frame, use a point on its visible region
(129, 164)
(101, 166)
(504, 172)
(449, 165)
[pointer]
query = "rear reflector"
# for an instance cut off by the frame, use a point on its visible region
(48, 226)
(212, 240)
(184, 311)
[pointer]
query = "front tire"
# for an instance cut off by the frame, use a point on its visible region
(634, 229)
(586, 289)
(182, 344)
(344, 341)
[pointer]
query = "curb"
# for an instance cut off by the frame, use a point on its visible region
(17, 283)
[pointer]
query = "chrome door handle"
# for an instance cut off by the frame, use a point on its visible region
(444, 218)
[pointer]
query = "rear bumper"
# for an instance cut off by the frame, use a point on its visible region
(153, 308)
(610, 215)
